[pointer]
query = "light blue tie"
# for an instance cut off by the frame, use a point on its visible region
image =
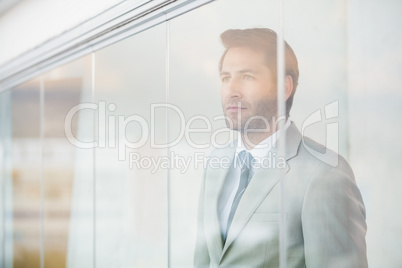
(245, 160)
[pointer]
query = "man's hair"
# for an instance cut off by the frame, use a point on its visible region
(263, 39)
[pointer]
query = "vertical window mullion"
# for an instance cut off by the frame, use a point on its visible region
(281, 123)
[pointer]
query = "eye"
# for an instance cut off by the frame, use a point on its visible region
(225, 79)
(247, 77)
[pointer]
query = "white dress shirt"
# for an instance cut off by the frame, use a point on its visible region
(233, 178)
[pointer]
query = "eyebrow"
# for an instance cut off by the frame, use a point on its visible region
(240, 71)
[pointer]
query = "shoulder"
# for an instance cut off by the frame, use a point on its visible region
(325, 159)
(331, 184)
(326, 175)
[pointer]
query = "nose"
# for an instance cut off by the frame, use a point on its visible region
(234, 88)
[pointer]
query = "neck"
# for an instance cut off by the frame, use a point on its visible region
(252, 139)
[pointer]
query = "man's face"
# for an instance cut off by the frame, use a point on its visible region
(248, 90)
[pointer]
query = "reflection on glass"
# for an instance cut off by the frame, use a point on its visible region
(2, 180)
(121, 218)
(374, 112)
(6, 183)
(66, 167)
(24, 160)
(320, 41)
(131, 190)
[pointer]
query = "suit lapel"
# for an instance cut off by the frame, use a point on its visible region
(261, 185)
(215, 179)
(293, 139)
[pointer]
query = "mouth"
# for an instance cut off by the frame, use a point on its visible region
(235, 108)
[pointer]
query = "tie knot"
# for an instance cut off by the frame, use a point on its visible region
(245, 160)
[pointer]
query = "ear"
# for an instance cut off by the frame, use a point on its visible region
(288, 86)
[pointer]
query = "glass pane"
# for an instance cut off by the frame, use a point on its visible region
(374, 110)
(131, 190)
(349, 78)
(68, 168)
(6, 187)
(320, 41)
(24, 170)
(195, 52)
(2, 179)
(333, 201)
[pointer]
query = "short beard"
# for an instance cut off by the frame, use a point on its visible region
(262, 120)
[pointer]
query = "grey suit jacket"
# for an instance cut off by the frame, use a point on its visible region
(325, 215)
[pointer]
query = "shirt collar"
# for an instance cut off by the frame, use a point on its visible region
(261, 149)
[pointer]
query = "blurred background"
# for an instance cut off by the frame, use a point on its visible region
(82, 120)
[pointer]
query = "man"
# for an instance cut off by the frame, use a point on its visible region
(239, 207)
